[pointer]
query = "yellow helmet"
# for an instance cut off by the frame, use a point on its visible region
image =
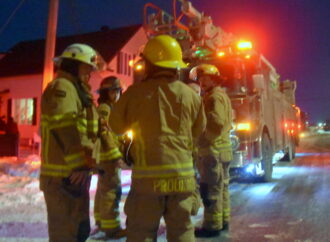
(80, 52)
(164, 51)
(203, 69)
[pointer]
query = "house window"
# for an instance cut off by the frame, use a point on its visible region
(119, 65)
(123, 64)
(24, 111)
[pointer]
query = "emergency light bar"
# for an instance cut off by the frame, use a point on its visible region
(243, 126)
(244, 45)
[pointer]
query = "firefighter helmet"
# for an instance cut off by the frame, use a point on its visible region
(203, 69)
(164, 51)
(80, 52)
(110, 83)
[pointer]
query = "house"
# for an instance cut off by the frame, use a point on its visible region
(21, 71)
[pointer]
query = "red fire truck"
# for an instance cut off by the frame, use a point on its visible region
(265, 116)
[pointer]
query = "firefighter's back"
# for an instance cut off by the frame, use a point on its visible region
(165, 115)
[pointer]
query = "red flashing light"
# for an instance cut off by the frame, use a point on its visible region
(221, 54)
(138, 67)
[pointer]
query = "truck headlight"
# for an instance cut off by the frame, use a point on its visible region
(249, 168)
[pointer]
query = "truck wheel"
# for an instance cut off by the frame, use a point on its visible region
(267, 158)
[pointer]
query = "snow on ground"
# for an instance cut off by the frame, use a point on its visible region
(22, 207)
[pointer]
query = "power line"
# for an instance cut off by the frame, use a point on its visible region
(11, 16)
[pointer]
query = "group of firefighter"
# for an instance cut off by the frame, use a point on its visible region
(180, 136)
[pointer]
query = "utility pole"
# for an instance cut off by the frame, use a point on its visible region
(50, 43)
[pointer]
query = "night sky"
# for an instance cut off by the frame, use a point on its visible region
(293, 34)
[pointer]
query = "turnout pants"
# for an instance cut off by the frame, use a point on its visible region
(107, 198)
(214, 182)
(144, 212)
(67, 209)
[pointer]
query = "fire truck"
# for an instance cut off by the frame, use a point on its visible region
(265, 114)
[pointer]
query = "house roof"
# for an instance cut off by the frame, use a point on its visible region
(27, 57)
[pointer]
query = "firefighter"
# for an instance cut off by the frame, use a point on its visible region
(215, 153)
(192, 81)
(165, 115)
(195, 86)
(108, 193)
(69, 127)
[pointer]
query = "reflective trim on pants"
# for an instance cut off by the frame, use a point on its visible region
(110, 223)
(164, 171)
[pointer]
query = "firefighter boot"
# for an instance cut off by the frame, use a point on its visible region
(206, 233)
(120, 233)
(105, 235)
(225, 226)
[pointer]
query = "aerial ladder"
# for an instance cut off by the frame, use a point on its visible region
(194, 30)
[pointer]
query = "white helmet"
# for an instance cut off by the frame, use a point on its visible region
(80, 52)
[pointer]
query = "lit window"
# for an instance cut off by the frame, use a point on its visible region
(23, 110)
